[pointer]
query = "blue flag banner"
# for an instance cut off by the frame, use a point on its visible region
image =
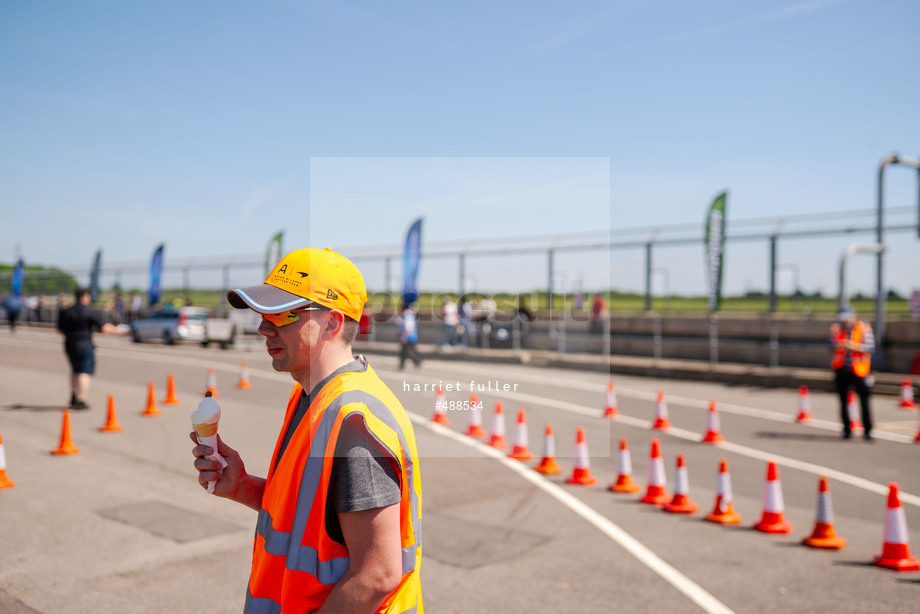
(94, 276)
(412, 256)
(715, 249)
(19, 274)
(156, 274)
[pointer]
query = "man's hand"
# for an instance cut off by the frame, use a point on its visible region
(232, 482)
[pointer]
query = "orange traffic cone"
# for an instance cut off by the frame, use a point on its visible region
(244, 383)
(5, 482)
(151, 409)
(681, 503)
(520, 451)
(610, 410)
(581, 474)
(171, 398)
(824, 535)
(548, 465)
(853, 412)
(655, 492)
(724, 512)
(772, 520)
(713, 429)
(497, 440)
(111, 422)
(624, 481)
(661, 413)
(804, 406)
(212, 384)
(907, 395)
(474, 429)
(896, 548)
(66, 446)
(440, 408)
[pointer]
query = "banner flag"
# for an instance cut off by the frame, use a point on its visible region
(94, 276)
(156, 274)
(19, 274)
(715, 248)
(273, 254)
(412, 257)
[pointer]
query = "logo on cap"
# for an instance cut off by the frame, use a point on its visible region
(332, 295)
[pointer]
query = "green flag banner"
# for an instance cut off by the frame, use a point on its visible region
(273, 253)
(715, 248)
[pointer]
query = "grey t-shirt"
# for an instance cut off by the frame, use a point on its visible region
(365, 475)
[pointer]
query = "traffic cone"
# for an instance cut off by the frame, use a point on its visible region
(804, 406)
(151, 409)
(853, 412)
(724, 512)
(171, 398)
(497, 440)
(474, 429)
(212, 384)
(244, 383)
(661, 413)
(581, 474)
(655, 492)
(713, 429)
(440, 408)
(772, 520)
(907, 395)
(548, 465)
(520, 451)
(681, 503)
(610, 410)
(111, 422)
(824, 535)
(66, 446)
(896, 549)
(624, 481)
(5, 482)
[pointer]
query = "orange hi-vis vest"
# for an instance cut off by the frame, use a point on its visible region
(859, 360)
(295, 564)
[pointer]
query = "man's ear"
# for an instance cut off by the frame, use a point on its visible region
(335, 322)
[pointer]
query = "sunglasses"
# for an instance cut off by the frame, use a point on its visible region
(287, 317)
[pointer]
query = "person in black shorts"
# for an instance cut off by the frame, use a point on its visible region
(77, 324)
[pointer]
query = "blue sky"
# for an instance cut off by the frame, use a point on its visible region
(210, 126)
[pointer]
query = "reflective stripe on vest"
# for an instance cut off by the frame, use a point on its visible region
(278, 553)
(859, 361)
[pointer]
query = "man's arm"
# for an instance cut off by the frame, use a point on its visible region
(374, 561)
(233, 482)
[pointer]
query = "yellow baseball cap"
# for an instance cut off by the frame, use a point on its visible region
(304, 277)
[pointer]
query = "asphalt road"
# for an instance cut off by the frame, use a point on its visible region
(124, 527)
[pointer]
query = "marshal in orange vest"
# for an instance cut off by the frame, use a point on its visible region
(860, 360)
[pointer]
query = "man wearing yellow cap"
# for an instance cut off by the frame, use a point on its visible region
(339, 527)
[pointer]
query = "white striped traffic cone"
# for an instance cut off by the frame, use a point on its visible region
(520, 451)
(853, 412)
(655, 492)
(5, 482)
(804, 406)
(713, 428)
(824, 535)
(244, 383)
(681, 503)
(212, 384)
(497, 440)
(772, 520)
(548, 465)
(440, 407)
(581, 474)
(724, 512)
(474, 428)
(907, 395)
(661, 413)
(610, 410)
(896, 548)
(624, 481)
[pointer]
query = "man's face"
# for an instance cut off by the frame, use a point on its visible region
(848, 320)
(293, 348)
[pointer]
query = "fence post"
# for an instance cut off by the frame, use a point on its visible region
(713, 339)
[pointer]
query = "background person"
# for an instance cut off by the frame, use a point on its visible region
(852, 342)
(408, 335)
(77, 324)
(339, 525)
(12, 304)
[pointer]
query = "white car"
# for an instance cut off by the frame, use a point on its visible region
(171, 325)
